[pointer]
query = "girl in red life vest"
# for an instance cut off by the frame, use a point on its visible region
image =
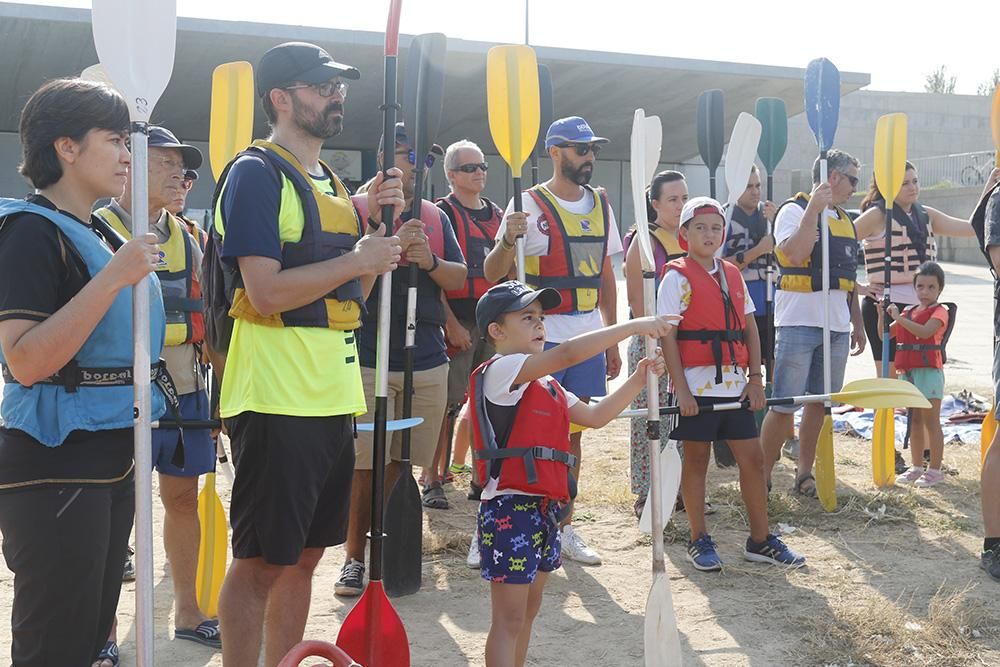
(708, 356)
(520, 425)
(920, 332)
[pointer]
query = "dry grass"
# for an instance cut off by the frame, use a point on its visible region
(866, 629)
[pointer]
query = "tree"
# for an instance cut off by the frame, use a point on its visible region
(938, 81)
(987, 87)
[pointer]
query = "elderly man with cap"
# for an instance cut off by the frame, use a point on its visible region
(570, 235)
(430, 243)
(179, 465)
(302, 265)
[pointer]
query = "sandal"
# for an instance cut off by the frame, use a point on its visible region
(807, 491)
(434, 497)
(207, 634)
(637, 507)
(108, 654)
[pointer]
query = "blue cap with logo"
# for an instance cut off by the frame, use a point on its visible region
(571, 130)
(508, 297)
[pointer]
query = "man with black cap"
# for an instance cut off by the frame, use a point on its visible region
(180, 278)
(430, 243)
(302, 265)
(570, 235)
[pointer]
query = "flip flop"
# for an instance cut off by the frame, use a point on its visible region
(109, 653)
(207, 634)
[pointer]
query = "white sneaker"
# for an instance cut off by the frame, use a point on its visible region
(574, 548)
(472, 560)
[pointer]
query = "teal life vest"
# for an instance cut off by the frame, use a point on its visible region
(91, 393)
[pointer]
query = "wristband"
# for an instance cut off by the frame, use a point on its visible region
(434, 263)
(740, 258)
(758, 375)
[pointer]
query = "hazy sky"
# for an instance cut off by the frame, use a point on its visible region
(897, 46)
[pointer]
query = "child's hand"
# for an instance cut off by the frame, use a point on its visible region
(655, 364)
(755, 393)
(656, 326)
(893, 311)
(687, 404)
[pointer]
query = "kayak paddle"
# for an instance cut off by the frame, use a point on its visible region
(513, 106)
(711, 128)
(135, 42)
(889, 166)
(822, 103)
(546, 116)
(230, 127)
(373, 632)
(213, 543)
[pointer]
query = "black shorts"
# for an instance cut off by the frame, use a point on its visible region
(293, 484)
(766, 340)
(711, 426)
(870, 316)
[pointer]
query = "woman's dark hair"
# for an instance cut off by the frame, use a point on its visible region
(930, 269)
(655, 189)
(65, 108)
(873, 196)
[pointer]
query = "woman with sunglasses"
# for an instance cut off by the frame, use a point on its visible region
(66, 486)
(914, 228)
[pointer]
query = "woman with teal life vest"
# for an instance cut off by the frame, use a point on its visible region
(914, 228)
(66, 489)
(665, 199)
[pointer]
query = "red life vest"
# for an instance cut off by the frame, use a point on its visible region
(476, 240)
(429, 215)
(711, 333)
(535, 458)
(913, 352)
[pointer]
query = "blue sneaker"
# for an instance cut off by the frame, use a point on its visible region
(773, 551)
(702, 554)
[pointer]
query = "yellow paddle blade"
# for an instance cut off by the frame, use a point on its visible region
(878, 393)
(230, 128)
(884, 448)
(826, 475)
(213, 548)
(890, 154)
(995, 123)
(987, 432)
(513, 102)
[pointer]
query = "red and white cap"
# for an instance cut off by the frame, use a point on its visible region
(699, 206)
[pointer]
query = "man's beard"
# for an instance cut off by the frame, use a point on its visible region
(580, 175)
(321, 126)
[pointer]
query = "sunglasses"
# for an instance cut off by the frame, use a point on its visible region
(583, 149)
(472, 167)
(187, 183)
(326, 89)
(412, 158)
(853, 179)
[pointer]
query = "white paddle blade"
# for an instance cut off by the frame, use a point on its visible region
(661, 641)
(654, 143)
(740, 154)
(670, 478)
(637, 170)
(135, 42)
(97, 73)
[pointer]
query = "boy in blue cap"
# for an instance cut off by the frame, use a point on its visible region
(520, 425)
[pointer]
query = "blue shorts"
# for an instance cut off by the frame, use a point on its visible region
(199, 448)
(587, 379)
(518, 537)
(798, 362)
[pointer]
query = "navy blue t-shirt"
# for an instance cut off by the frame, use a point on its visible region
(431, 350)
(250, 217)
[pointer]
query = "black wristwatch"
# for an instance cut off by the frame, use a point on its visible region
(740, 258)
(434, 264)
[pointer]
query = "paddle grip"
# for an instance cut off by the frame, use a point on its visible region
(886, 288)
(518, 208)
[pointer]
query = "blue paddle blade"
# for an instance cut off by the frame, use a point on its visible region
(711, 128)
(822, 101)
(394, 424)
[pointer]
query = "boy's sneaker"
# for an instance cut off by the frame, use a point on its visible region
(912, 474)
(702, 554)
(352, 579)
(990, 561)
(574, 548)
(472, 560)
(931, 477)
(773, 551)
(791, 449)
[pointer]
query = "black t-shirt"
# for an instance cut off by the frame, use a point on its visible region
(40, 272)
(465, 309)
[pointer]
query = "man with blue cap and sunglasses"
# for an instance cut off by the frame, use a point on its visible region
(569, 234)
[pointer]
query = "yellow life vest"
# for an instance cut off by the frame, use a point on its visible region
(807, 276)
(331, 229)
(178, 280)
(578, 245)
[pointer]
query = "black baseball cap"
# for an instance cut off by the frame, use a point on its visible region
(161, 137)
(508, 297)
(287, 63)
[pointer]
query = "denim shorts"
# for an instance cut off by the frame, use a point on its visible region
(798, 362)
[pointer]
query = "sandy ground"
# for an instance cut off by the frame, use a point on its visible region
(892, 578)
